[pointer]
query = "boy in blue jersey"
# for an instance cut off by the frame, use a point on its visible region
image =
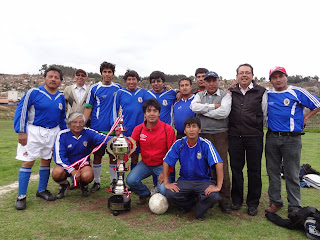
(70, 146)
(164, 97)
(181, 109)
(130, 99)
(38, 118)
(198, 158)
(99, 107)
(283, 141)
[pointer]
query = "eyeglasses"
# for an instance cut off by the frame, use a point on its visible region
(81, 123)
(244, 73)
(80, 75)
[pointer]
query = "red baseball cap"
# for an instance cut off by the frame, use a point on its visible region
(277, 69)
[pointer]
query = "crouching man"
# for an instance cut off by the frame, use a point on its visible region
(71, 145)
(198, 158)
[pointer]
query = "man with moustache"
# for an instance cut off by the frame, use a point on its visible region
(199, 74)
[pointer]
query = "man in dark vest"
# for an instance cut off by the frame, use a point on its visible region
(249, 109)
(213, 106)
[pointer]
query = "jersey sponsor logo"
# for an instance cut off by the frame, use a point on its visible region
(180, 107)
(60, 106)
(199, 155)
(164, 103)
(85, 143)
(140, 99)
(69, 146)
(286, 102)
(143, 137)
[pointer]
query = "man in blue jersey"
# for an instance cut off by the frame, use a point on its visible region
(70, 146)
(286, 121)
(99, 106)
(130, 99)
(198, 158)
(38, 118)
(164, 97)
(181, 109)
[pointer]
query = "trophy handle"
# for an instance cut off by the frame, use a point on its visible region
(109, 146)
(134, 145)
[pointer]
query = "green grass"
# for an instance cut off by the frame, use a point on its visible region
(76, 217)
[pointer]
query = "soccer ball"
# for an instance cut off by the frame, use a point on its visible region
(158, 204)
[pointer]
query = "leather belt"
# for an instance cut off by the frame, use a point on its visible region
(285, 133)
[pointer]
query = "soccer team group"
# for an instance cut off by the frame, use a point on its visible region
(210, 123)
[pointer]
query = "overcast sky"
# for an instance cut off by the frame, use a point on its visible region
(175, 37)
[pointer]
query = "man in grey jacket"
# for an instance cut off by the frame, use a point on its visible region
(213, 106)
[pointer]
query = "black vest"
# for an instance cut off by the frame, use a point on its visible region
(246, 116)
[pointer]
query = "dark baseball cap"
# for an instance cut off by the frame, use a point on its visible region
(211, 74)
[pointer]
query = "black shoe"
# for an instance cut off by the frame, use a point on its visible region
(21, 202)
(201, 218)
(235, 206)
(184, 210)
(95, 187)
(85, 191)
(225, 208)
(63, 191)
(46, 195)
(252, 211)
(72, 187)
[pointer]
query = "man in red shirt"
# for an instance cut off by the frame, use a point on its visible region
(155, 139)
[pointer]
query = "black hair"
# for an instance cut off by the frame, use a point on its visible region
(185, 79)
(157, 74)
(108, 66)
(201, 70)
(131, 73)
(151, 103)
(53, 69)
(247, 65)
(191, 120)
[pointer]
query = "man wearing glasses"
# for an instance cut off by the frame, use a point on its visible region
(248, 112)
(76, 94)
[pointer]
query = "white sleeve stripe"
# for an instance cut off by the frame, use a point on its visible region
(57, 149)
(215, 158)
(152, 94)
(114, 110)
(314, 100)
(58, 96)
(24, 111)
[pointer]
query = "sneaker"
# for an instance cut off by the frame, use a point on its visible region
(63, 191)
(225, 208)
(21, 202)
(154, 190)
(252, 211)
(46, 195)
(142, 200)
(95, 187)
(85, 191)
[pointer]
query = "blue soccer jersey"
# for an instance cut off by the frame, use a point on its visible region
(40, 108)
(131, 104)
(181, 111)
(285, 108)
(100, 98)
(166, 99)
(69, 149)
(196, 162)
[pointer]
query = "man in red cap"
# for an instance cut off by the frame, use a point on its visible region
(286, 121)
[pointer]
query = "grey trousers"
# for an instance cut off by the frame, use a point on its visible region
(286, 151)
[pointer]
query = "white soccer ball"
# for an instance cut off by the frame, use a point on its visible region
(158, 204)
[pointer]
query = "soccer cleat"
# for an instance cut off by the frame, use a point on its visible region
(95, 187)
(85, 191)
(63, 190)
(46, 195)
(21, 202)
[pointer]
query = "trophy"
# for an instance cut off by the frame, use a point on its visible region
(120, 201)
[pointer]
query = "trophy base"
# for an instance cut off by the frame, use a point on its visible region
(118, 203)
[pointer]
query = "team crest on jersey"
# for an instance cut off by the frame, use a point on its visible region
(143, 137)
(25, 154)
(286, 102)
(70, 146)
(164, 103)
(85, 143)
(60, 106)
(199, 155)
(140, 99)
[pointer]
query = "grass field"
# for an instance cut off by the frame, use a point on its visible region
(76, 217)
